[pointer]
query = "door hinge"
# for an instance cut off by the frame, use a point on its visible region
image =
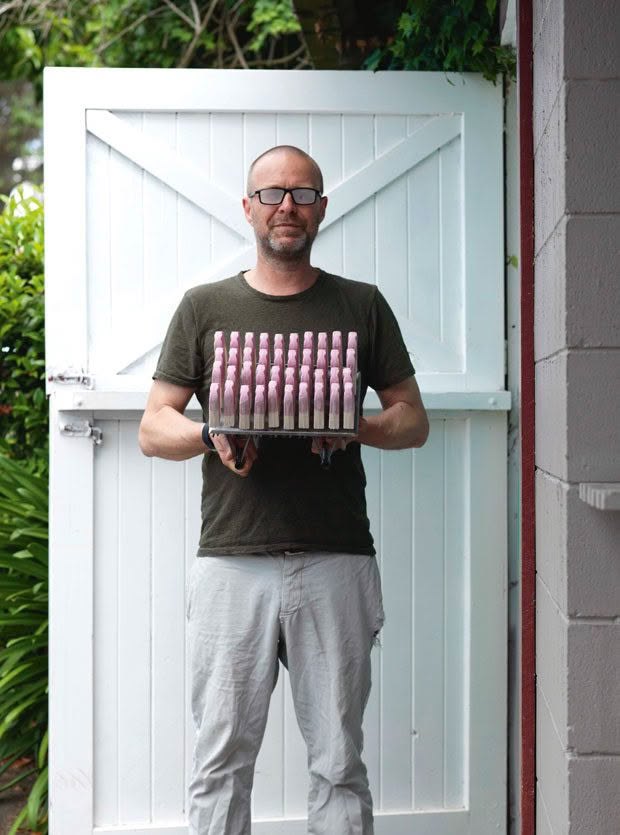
(82, 429)
(72, 376)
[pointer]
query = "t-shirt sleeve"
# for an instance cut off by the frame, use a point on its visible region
(389, 359)
(180, 359)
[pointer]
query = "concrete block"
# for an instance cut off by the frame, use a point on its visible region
(550, 294)
(551, 767)
(540, 9)
(576, 287)
(543, 824)
(590, 136)
(594, 795)
(551, 527)
(577, 551)
(549, 174)
(591, 39)
(551, 658)
(592, 408)
(548, 61)
(594, 688)
(551, 415)
(592, 259)
(592, 558)
(577, 406)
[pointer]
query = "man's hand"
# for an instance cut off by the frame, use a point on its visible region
(335, 443)
(225, 446)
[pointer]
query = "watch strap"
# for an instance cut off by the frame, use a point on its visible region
(206, 438)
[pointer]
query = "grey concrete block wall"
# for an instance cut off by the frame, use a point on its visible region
(576, 116)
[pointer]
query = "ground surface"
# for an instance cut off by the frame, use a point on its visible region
(11, 803)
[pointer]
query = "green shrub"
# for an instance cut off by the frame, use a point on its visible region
(24, 637)
(23, 403)
(450, 35)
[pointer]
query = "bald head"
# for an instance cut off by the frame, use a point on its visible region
(283, 150)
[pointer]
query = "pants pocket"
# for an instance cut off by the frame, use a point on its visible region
(188, 586)
(378, 606)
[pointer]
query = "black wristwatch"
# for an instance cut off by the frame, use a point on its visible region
(207, 439)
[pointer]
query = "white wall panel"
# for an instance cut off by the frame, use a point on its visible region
(412, 168)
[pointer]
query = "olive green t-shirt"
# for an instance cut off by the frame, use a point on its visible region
(288, 501)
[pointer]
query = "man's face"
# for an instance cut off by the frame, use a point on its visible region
(284, 232)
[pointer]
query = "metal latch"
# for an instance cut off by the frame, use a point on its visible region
(72, 376)
(82, 429)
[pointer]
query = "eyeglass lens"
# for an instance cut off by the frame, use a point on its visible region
(273, 196)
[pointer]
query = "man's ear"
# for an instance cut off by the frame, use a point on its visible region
(247, 209)
(323, 207)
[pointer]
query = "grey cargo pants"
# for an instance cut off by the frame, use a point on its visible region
(319, 613)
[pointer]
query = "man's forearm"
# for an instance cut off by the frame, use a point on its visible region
(169, 434)
(397, 427)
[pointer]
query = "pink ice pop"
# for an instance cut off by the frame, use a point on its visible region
(291, 360)
(348, 413)
(319, 376)
(293, 342)
(352, 340)
(334, 375)
(248, 356)
(214, 404)
(334, 358)
(321, 359)
(348, 378)
(288, 408)
(246, 374)
(218, 342)
(234, 340)
(290, 378)
(334, 406)
(248, 341)
(217, 372)
(309, 340)
(322, 341)
(263, 356)
(337, 344)
(303, 419)
(278, 357)
(220, 356)
(233, 357)
(228, 417)
(305, 376)
(263, 341)
(307, 357)
(352, 361)
(259, 407)
(244, 407)
(261, 372)
(273, 405)
(278, 341)
(276, 377)
(319, 406)
(231, 374)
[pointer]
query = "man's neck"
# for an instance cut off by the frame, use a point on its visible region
(281, 279)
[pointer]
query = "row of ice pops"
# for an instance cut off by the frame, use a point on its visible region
(296, 411)
(325, 358)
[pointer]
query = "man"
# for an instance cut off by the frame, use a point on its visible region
(286, 567)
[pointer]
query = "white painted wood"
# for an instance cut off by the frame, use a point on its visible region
(74, 398)
(71, 684)
(155, 162)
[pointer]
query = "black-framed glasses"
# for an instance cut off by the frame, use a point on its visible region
(274, 196)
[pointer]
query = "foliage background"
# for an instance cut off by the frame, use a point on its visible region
(449, 35)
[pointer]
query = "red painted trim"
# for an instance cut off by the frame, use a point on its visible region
(528, 514)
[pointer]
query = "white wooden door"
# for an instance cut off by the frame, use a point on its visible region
(144, 175)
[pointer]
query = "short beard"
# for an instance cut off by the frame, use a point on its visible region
(276, 251)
